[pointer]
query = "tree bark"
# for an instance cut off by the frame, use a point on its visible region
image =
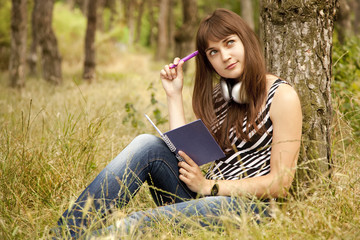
(355, 6)
(32, 58)
(18, 43)
(343, 21)
(111, 4)
(138, 21)
(247, 12)
(163, 30)
(100, 13)
(298, 43)
(185, 34)
(89, 63)
(51, 59)
(152, 21)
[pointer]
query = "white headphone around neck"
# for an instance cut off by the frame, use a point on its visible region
(232, 92)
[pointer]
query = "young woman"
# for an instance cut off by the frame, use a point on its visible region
(254, 116)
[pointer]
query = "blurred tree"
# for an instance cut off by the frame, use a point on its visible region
(83, 4)
(140, 7)
(111, 5)
(355, 5)
(89, 63)
(151, 5)
(18, 43)
(298, 42)
(71, 3)
(100, 12)
(129, 10)
(51, 59)
(247, 12)
(32, 55)
(184, 36)
(344, 20)
(163, 30)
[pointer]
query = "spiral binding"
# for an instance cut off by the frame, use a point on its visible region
(171, 147)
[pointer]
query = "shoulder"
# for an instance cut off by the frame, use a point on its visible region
(286, 104)
(284, 92)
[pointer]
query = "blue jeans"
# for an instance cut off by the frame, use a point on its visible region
(146, 158)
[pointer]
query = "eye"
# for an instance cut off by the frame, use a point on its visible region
(212, 52)
(230, 42)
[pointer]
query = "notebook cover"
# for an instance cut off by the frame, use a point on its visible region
(196, 141)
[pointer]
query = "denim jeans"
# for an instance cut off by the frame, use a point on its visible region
(146, 158)
(206, 212)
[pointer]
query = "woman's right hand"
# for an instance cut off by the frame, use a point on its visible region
(172, 79)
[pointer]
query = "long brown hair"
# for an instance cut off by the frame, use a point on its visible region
(216, 27)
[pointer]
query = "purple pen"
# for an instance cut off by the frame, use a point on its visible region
(186, 58)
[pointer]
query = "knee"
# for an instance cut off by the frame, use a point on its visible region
(148, 141)
(145, 139)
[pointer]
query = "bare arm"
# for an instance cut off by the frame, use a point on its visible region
(172, 80)
(286, 116)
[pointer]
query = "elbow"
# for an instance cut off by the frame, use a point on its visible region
(280, 187)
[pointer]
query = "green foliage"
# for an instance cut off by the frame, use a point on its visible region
(5, 19)
(159, 119)
(5, 13)
(54, 140)
(69, 26)
(133, 116)
(346, 84)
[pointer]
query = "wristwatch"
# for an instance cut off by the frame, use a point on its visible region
(214, 189)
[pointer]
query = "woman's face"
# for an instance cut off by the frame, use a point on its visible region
(227, 56)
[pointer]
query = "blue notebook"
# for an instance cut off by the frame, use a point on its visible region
(194, 139)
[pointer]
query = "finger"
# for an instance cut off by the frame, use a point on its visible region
(163, 74)
(168, 72)
(184, 179)
(176, 60)
(187, 159)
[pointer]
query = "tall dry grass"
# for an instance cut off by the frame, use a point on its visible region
(54, 141)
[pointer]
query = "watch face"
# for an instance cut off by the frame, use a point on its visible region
(215, 190)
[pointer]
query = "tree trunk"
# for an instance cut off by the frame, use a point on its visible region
(18, 43)
(163, 31)
(51, 59)
(247, 12)
(186, 33)
(343, 21)
(100, 14)
(84, 6)
(111, 4)
(355, 6)
(129, 9)
(298, 43)
(138, 21)
(32, 58)
(152, 21)
(89, 64)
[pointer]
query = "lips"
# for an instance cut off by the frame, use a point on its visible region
(231, 66)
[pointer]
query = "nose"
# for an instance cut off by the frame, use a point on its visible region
(225, 55)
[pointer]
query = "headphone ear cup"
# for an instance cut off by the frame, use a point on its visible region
(226, 90)
(238, 95)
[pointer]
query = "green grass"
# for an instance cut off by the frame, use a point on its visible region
(55, 139)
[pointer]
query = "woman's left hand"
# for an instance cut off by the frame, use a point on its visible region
(191, 175)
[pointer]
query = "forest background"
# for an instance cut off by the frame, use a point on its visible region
(58, 132)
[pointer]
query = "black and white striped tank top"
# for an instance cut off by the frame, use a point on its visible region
(251, 158)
